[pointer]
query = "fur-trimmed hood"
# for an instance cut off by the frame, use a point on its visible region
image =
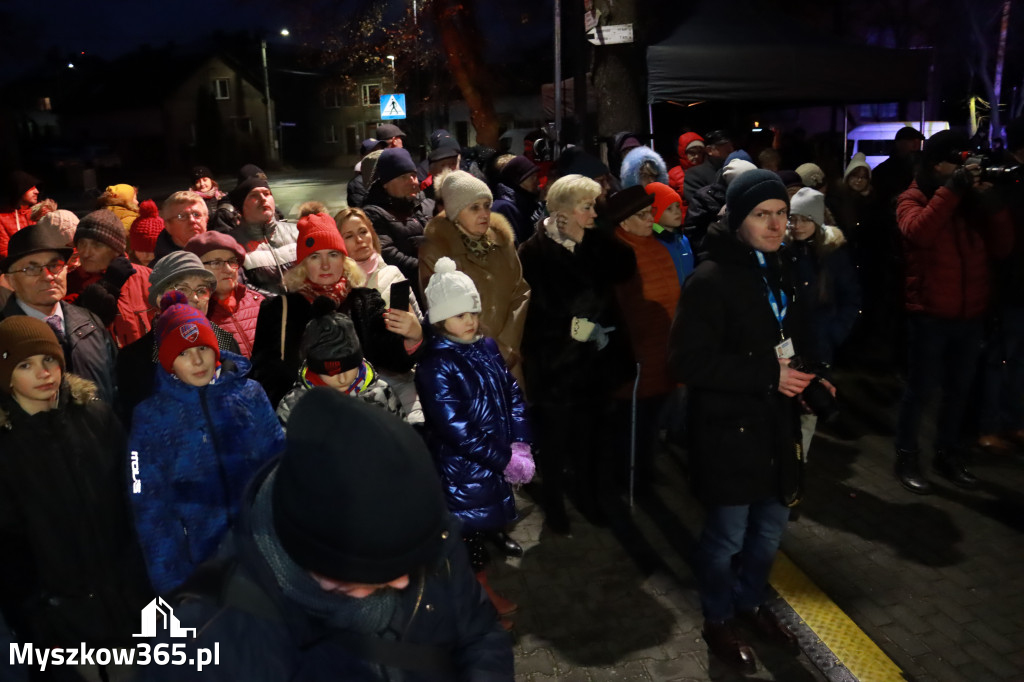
(635, 159)
(73, 388)
(443, 231)
(827, 239)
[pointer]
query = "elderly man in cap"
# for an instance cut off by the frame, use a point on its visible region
(736, 330)
(269, 241)
(718, 146)
(398, 210)
(345, 565)
(136, 363)
(185, 215)
(390, 136)
(36, 269)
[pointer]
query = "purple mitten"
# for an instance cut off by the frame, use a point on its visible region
(520, 468)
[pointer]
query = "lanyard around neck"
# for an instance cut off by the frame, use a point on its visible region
(778, 310)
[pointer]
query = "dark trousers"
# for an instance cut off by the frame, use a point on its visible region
(1002, 400)
(945, 353)
(648, 419)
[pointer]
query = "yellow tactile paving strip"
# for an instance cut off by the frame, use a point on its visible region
(851, 646)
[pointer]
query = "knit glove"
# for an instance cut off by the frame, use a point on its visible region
(520, 468)
(584, 330)
(116, 274)
(98, 300)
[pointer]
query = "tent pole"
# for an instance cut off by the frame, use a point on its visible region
(846, 133)
(650, 124)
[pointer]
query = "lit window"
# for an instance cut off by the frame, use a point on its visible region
(221, 88)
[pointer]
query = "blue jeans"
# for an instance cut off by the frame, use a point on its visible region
(943, 351)
(750, 533)
(1002, 404)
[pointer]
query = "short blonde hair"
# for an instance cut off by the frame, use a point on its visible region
(569, 190)
(297, 276)
(355, 212)
(186, 197)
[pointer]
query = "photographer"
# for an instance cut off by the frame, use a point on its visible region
(952, 225)
(738, 326)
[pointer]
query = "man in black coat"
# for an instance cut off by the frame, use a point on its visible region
(718, 145)
(345, 565)
(36, 268)
(737, 326)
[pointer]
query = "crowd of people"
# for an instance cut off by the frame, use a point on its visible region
(307, 435)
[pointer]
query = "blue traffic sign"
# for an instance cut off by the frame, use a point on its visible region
(392, 106)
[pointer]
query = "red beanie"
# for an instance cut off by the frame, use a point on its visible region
(146, 228)
(317, 231)
(664, 196)
(180, 327)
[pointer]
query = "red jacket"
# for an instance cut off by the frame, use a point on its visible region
(238, 316)
(134, 316)
(11, 222)
(947, 251)
(677, 174)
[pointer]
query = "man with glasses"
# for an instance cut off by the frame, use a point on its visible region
(233, 305)
(36, 269)
(185, 215)
(184, 272)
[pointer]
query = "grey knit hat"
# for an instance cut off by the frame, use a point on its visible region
(459, 189)
(176, 265)
(105, 227)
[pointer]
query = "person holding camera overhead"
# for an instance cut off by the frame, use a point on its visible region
(734, 342)
(953, 225)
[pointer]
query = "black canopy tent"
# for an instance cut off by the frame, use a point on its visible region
(726, 51)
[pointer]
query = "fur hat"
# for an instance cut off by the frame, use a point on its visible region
(623, 204)
(318, 231)
(211, 240)
(459, 189)
(64, 221)
(450, 292)
(175, 265)
(858, 161)
(809, 203)
(393, 163)
(664, 196)
(146, 228)
(180, 327)
(356, 496)
(22, 337)
(636, 160)
(811, 175)
(749, 190)
(330, 344)
(102, 226)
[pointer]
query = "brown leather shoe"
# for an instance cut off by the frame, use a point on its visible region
(728, 646)
(767, 627)
(996, 445)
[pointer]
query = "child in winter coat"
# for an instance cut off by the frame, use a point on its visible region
(331, 356)
(194, 444)
(475, 417)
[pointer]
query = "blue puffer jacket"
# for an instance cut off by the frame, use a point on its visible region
(474, 412)
(192, 452)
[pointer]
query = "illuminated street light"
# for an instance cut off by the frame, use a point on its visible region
(285, 32)
(272, 150)
(394, 85)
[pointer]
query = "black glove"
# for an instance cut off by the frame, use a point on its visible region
(961, 181)
(225, 219)
(117, 273)
(97, 299)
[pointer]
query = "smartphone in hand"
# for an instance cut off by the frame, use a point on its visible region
(400, 295)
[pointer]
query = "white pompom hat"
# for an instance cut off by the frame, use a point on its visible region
(450, 292)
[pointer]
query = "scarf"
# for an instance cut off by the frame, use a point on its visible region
(337, 292)
(552, 231)
(367, 615)
(370, 265)
(478, 247)
(363, 380)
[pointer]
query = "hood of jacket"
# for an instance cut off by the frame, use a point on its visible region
(684, 140)
(636, 158)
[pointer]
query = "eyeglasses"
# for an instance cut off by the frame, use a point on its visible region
(188, 214)
(645, 214)
(198, 292)
(54, 267)
(217, 263)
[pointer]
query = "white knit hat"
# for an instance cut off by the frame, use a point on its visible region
(450, 292)
(858, 161)
(65, 221)
(459, 189)
(809, 203)
(736, 168)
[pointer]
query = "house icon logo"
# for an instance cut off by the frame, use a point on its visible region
(159, 612)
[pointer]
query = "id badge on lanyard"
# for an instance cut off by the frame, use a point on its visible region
(784, 349)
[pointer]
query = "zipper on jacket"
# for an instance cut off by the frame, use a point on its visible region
(419, 600)
(216, 448)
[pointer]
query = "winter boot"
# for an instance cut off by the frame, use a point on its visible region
(950, 465)
(908, 472)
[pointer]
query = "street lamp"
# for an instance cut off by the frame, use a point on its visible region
(271, 149)
(394, 84)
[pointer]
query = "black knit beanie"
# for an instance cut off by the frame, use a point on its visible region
(330, 344)
(356, 497)
(393, 163)
(749, 190)
(241, 191)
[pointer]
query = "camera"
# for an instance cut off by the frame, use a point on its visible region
(817, 396)
(994, 172)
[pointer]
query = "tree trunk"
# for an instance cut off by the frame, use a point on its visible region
(619, 74)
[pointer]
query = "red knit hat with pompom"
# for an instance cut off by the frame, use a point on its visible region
(146, 228)
(180, 327)
(318, 231)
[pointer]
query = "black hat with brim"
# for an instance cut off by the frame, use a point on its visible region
(35, 239)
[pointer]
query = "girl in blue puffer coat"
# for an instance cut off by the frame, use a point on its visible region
(194, 445)
(475, 417)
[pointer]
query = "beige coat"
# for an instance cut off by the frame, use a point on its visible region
(504, 294)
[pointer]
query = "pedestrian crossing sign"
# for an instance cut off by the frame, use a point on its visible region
(392, 106)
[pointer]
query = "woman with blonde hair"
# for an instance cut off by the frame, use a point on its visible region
(324, 270)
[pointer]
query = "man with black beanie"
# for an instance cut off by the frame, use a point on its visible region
(345, 565)
(737, 328)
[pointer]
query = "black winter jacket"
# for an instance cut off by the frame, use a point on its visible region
(722, 346)
(522, 209)
(72, 568)
(384, 349)
(399, 224)
(263, 636)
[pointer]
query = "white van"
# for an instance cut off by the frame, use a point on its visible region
(875, 139)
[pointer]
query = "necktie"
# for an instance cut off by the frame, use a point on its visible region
(56, 324)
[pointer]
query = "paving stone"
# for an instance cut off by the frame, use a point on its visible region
(540, 661)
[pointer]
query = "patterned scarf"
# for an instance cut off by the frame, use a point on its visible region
(362, 381)
(337, 292)
(478, 247)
